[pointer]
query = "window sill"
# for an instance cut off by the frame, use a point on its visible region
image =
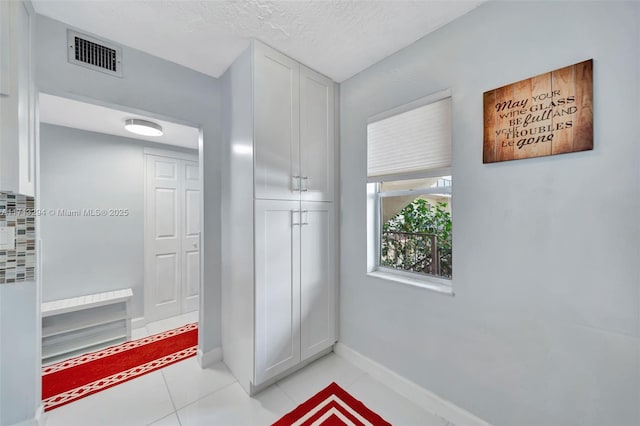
(415, 282)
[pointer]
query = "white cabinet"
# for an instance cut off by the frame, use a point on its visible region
(294, 143)
(5, 46)
(277, 271)
(316, 136)
(295, 291)
(279, 237)
(317, 289)
(17, 101)
(277, 126)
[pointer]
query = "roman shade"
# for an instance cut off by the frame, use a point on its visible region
(410, 141)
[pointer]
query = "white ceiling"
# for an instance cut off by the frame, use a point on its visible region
(338, 38)
(95, 118)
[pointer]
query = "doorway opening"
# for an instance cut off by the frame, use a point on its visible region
(119, 226)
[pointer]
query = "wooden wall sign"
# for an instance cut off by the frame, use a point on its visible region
(548, 114)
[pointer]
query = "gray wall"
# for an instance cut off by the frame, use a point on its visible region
(544, 327)
(84, 255)
(19, 344)
(19, 354)
(151, 84)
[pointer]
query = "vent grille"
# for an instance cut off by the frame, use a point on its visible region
(95, 54)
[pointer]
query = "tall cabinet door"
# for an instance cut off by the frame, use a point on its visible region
(277, 125)
(9, 100)
(17, 100)
(26, 107)
(277, 284)
(5, 46)
(163, 243)
(316, 136)
(190, 236)
(317, 278)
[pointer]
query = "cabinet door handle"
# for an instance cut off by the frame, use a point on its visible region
(293, 182)
(305, 187)
(306, 219)
(293, 217)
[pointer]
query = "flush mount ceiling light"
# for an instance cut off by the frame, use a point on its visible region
(143, 127)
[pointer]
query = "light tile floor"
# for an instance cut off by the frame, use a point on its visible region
(184, 394)
(164, 325)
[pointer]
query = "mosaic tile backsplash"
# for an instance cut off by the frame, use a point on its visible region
(16, 211)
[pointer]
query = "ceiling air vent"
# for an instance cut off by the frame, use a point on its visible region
(94, 54)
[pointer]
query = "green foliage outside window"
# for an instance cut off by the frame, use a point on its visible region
(410, 237)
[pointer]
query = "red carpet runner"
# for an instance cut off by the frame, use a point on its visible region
(332, 406)
(75, 378)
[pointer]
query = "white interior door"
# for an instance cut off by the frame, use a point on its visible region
(317, 276)
(277, 303)
(172, 237)
(163, 274)
(190, 236)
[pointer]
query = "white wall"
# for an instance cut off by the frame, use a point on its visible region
(84, 255)
(153, 85)
(544, 327)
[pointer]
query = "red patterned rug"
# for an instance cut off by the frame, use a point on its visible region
(75, 378)
(332, 406)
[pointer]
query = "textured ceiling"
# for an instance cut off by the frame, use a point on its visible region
(337, 38)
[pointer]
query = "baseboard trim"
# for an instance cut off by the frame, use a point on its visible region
(138, 322)
(205, 359)
(41, 417)
(253, 390)
(410, 390)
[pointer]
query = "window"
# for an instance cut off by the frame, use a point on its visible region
(409, 187)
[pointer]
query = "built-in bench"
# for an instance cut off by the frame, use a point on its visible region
(82, 324)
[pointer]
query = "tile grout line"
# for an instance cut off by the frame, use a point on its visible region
(359, 377)
(166, 385)
(176, 409)
(205, 396)
(277, 384)
(349, 383)
(168, 415)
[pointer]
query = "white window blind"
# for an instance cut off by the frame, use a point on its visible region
(413, 141)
